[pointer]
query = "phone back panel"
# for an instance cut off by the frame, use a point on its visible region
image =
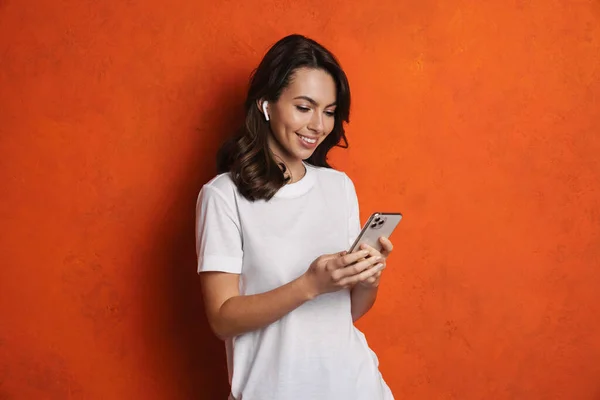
(379, 224)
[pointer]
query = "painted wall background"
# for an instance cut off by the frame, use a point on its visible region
(477, 120)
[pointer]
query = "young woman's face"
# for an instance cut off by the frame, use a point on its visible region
(303, 116)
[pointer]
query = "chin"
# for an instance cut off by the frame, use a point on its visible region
(303, 154)
(298, 152)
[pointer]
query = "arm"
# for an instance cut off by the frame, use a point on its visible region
(362, 300)
(231, 314)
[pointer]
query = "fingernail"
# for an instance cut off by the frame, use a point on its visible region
(379, 266)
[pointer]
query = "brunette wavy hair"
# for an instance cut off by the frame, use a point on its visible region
(254, 169)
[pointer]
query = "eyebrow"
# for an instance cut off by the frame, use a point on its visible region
(312, 101)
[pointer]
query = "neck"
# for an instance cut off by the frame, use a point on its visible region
(296, 171)
(295, 167)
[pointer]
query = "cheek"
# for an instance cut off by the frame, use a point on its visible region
(329, 124)
(289, 122)
(295, 121)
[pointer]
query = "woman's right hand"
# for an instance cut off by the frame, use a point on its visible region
(333, 272)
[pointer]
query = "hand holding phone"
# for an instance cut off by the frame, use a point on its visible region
(379, 224)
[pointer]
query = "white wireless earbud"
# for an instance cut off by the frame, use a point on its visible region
(264, 107)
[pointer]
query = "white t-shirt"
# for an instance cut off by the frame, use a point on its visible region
(315, 352)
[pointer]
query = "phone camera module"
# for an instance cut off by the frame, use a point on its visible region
(377, 222)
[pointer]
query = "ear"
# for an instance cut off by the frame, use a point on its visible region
(259, 104)
(263, 107)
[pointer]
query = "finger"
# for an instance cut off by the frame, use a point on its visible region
(373, 280)
(362, 265)
(358, 267)
(351, 258)
(387, 244)
(362, 276)
(375, 277)
(373, 252)
(369, 281)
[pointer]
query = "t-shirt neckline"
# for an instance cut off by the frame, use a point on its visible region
(300, 187)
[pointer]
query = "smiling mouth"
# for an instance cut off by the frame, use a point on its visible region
(307, 139)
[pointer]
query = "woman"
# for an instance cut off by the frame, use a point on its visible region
(271, 231)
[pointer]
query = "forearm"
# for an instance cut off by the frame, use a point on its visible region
(241, 314)
(362, 299)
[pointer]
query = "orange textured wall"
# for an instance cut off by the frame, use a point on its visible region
(477, 120)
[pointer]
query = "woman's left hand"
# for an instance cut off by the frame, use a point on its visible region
(373, 281)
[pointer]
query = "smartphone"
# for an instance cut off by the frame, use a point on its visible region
(379, 224)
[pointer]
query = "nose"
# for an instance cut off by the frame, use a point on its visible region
(316, 123)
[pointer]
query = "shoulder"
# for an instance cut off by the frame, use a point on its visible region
(222, 183)
(222, 187)
(336, 180)
(331, 175)
(334, 177)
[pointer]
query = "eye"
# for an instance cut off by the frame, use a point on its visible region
(303, 109)
(330, 113)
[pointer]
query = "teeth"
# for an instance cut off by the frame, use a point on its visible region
(308, 140)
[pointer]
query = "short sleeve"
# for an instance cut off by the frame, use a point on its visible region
(354, 226)
(218, 233)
